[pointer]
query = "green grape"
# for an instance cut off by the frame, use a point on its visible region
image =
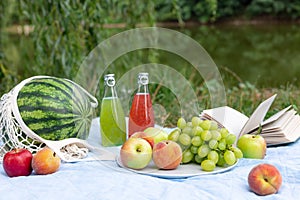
(174, 135)
(194, 149)
(184, 139)
(196, 121)
(213, 125)
(222, 146)
(229, 157)
(187, 130)
(198, 159)
(197, 130)
(205, 124)
(206, 135)
(181, 123)
(203, 150)
(187, 156)
(213, 144)
(230, 139)
(215, 134)
(237, 152)
(196, 141)
(224, 132)
(189, 124)
(221, 161)
(214, 156)
(208, 165)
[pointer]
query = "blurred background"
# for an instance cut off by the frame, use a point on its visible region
(254, 43)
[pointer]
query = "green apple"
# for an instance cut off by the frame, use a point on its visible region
(252, 146)
(157, 134)
(136, 153)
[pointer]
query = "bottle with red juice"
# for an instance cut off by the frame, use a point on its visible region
(141, 114)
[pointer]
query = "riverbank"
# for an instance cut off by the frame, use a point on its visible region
(26, 29)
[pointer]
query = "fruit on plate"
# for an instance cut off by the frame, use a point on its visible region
(17, 162)
(264, 179)
(252, 146)
(152, 134)
(167, 154)
(205, 143)
(136, 153)
(45, 161)
(55, 108)
(143, 135)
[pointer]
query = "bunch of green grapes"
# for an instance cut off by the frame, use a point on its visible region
(203, 142)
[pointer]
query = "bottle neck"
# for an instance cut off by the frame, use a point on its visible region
(143, 89)
(109, 91)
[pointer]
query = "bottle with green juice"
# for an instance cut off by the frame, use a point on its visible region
(112, 118)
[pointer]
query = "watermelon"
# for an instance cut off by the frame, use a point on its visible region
(55, 108)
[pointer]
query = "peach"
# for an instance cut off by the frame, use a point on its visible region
(45, 161)
(167, 154)
(264, 179)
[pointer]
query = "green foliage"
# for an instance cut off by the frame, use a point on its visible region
(66, 31)
(279, 8)
(206, 10)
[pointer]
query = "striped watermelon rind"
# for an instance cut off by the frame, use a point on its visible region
(55, 108)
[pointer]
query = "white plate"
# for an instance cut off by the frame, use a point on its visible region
(182, 171)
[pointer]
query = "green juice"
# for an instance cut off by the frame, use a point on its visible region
(112, 122)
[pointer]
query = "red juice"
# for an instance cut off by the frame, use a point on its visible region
(141, 114)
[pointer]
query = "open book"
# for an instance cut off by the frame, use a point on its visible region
(283, 127)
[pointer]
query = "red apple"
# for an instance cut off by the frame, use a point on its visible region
(252, 146)
(167, 154)
(264, 179)
(17, 162)
(136, 153)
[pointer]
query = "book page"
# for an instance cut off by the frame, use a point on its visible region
(295, 134)
(258, 115)
(271, 121)
(228, 117)
(288, 134)
(276, 116)
(281, 123)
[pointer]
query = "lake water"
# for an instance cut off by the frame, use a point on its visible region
(266, 55)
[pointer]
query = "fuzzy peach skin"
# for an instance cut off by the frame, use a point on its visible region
(264, 179)
(167, 154)
(45, 161)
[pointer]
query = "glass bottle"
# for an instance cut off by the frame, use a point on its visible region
(141, 114)
(112, 118)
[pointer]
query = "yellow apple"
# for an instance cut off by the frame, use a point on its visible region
(135, 153)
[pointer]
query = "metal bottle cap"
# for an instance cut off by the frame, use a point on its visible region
(109, 80)
(143, 78)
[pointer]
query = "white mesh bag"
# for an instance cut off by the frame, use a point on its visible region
(44, 110)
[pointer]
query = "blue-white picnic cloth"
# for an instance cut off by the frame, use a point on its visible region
(106, 180)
